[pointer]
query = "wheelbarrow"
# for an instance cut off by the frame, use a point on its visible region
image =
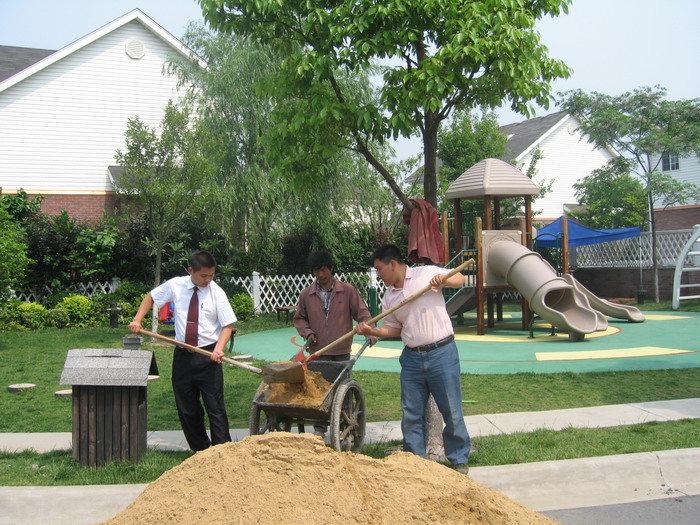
(342, 409)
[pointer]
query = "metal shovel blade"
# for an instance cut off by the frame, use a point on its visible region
(287, 372)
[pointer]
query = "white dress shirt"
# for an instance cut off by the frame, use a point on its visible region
(215, 311)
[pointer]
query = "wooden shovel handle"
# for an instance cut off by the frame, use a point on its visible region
(200, 351)
(383, 314)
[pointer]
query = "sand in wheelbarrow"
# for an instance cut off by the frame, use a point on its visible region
(294, 478)
(310, 393)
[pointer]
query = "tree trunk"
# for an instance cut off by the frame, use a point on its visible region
(432, 123)
(654, 258)
(435, 448)
(154, 313)
(379, 167)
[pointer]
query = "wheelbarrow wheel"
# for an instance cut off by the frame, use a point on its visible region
(348, 417)
(260, 422)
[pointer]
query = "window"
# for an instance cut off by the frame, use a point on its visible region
(669, 161)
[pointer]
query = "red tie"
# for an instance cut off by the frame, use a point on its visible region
(191, 337)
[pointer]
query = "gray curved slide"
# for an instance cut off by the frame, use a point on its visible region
(618, 311)
(562, 302)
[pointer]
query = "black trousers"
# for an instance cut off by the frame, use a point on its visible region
(196, 376)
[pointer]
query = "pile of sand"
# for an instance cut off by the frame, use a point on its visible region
(290, 478)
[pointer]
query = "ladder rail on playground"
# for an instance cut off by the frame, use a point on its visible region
(691, 251)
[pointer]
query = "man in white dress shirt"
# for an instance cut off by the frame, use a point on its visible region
(203, 318)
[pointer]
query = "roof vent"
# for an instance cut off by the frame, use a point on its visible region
(134, 48)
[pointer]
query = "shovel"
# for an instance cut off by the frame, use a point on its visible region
(268, 376)
(293, 372)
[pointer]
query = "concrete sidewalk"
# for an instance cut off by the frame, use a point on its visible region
(540, 486)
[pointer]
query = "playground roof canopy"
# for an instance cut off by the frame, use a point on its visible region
(491, 178)
(550, 236)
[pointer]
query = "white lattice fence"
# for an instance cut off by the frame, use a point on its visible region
(632, 253)
(271, 291)
(86, 289)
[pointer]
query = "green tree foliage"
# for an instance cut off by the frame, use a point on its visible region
(20, 206)
(612, 198)
(642, 126)
(466, 140)
(262, 196)
(163, 175)
(66, 251)
(439, 56)
(13, 254)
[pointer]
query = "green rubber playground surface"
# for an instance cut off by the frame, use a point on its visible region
(664, 340)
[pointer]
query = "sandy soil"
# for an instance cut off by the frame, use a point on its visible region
(295, 479)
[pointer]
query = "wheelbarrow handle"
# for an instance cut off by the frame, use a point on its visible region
(200, 351)
(383, 314)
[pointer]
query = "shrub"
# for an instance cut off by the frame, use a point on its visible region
(51, 300)
(100, 303)
(242, 305)
(130, 292)
(9, 316)
(79, 310)
(57, 318)
(31, 315)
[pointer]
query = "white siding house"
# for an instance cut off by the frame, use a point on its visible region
(683, 169)
(568, 157)
(63, 118)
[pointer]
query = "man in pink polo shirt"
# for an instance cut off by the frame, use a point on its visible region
(429, 361)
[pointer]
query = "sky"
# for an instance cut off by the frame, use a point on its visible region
(613, 46)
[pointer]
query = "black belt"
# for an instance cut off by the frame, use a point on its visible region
(432, 346)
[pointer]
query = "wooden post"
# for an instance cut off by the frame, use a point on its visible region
(498, 296)
(480, 330)
(564, 246)
(524, 306)
(528, 221)
(488, 224)
(457, 225)
(445, 237)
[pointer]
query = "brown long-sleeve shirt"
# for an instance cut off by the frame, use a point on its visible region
(346, 305)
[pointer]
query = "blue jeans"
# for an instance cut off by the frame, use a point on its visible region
(435, 372)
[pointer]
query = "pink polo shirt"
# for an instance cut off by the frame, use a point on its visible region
(425, 320)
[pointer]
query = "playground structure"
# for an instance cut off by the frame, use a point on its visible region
(688, 261)
(506, 263)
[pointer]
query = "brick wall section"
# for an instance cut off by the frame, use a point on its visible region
(679, 218)
(609, 283)
(84, 208)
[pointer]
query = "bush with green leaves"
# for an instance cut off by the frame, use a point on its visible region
(57, 318)
(9, 316)
(14, 262)
(50, 301)
(31, 315)
(79, 310)
(243, 306)
(131, 292)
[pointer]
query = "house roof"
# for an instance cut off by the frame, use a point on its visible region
(491, 178)
(51, 58)
(15, 59)
(526, 135)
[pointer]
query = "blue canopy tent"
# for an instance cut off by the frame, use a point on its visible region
(550, 236)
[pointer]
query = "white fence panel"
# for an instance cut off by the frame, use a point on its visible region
(632, 253)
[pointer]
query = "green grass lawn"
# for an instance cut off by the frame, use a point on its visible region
(38, 356)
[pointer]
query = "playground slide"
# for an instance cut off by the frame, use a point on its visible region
(463, 301)
(562, 302)
(618, 311)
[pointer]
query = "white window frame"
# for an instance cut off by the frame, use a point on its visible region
(669, 161)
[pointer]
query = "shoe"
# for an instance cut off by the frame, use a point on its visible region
(462, 468)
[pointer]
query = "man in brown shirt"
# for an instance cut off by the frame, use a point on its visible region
(325, 312)
(327, 308)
